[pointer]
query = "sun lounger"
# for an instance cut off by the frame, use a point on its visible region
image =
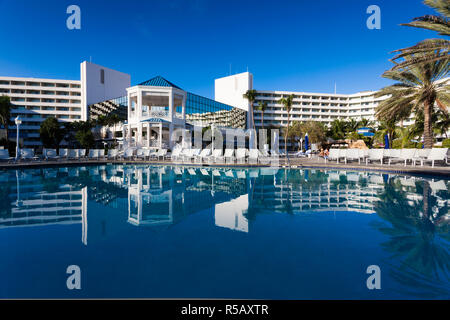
(112, 154)
(203, 155)
(253, 156)
(50, 154)
(27, 154)
(375, 155)
(436, 154)
(352, 154)
(405, 155)
(4, 155)
(63, 153)
(241, 155)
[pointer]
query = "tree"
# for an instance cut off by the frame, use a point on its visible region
(428, 50)
(111, 121)
(250, 95)
(5, 113)
(387, 127)
(418, 88)
(316, 131)
(51, 133)
(262, 106)
(85, 138)
(338, 129)
(287, 103)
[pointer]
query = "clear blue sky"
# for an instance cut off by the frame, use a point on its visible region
(299, 45)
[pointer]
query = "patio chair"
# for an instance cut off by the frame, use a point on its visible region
(241, 154)
(375, 155)
(72, 154)
(93, 154)
(175, 155)
(4, 155)
(27, 154)
(352, 154)
(81, 153)
(421, 154)
(253, 156)
(101, 153)
(203, 155)
(112, 154)
(216, 154)
(436, 154)
(50, 154)
(140, 153)
(405, 155)
(334, 155)
(229, 155)
(63, 153)
(128, 154)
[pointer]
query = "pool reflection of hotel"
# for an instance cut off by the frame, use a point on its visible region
(157, 198)
(153, 109)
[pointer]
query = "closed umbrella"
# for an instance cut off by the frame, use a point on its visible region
(306, 142)
(386, 142)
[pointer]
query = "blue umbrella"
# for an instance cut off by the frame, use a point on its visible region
(306, 142)
(386, 141)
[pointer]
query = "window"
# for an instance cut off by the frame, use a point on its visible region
(102, 76)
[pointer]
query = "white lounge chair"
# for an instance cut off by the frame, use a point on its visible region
(203, 155)
(175, 155)
(405, 155)
(375, 155)
(93, 154)
(241, 155)
(128, 154)
(27, 154)
(72, 154)
(142, 153)
(63, 153)
(81, 153)
(112, 154)
(334, 155)
(50, 154)
(101, 153)
(352, 154)
(253, 156)
(4, 155)
(436, 154)
(216, 154)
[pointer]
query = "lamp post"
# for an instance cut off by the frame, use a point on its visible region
(18, 122)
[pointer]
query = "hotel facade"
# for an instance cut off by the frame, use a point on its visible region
(153, 109)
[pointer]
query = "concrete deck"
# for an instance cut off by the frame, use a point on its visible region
(294, 163)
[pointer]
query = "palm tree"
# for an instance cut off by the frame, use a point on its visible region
(287, 103)
(419, 88)
(365, 123)
(5, 113)
(250, 95)
(338, 129)
(433, 49)
(262, 106)
(111, 121)
(386, 127)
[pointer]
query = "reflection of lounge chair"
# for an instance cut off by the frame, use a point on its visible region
(408, 182)
(437, 186)
(177, 171)
(204, 172)
(192, 172)
(354, 177)
(216, 173)
(241, 174)
(229, 174)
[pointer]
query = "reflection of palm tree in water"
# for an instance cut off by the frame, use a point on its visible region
(419, 238)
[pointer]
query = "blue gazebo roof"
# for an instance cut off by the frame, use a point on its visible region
(159, 81)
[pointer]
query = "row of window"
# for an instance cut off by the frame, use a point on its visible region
(14, 99)
(38, 92)
(39, 84)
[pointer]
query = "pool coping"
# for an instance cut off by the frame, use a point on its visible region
(409, 170)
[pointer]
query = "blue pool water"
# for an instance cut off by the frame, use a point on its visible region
(173, 232)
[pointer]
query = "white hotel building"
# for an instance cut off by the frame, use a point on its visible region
(35, 99)
(307, 106)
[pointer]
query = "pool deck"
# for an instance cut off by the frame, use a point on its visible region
(294, 163)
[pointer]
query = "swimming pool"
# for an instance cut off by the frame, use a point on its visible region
(180, 232)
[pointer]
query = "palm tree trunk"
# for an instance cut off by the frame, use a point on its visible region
(285, 136)
(426, 199)
(427, 132)
(6, 132)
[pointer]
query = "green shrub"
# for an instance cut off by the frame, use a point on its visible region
(446, 143)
